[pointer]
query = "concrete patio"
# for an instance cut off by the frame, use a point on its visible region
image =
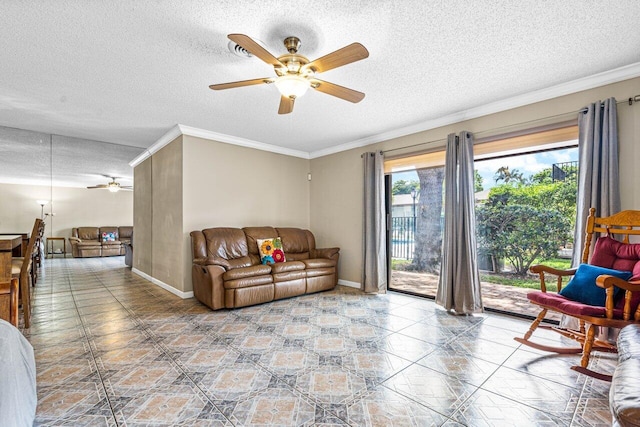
(500, 297)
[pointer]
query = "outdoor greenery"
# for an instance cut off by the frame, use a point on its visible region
(404, 187)
(524, 220)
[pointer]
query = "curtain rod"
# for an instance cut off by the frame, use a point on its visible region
(630, 101)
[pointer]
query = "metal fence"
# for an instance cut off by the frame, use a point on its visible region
(403, 231)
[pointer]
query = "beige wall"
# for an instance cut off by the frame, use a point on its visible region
(196, 184)
(230, 186)
(336, 188)
(166, 201)
(73, 207)
(142, 218)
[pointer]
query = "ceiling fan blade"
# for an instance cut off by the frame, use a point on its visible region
(348, 54)
(99, 186)
(286, 105)
(337, 90)
(255, 49)
(241, 83)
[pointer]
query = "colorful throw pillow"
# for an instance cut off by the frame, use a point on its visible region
(582, 287)
(270, 250)
(108, 237)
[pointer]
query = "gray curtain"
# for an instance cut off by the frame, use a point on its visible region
(374, 256)
(598, 180)
(459, 286)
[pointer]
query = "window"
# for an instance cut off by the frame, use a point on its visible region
(535, 169)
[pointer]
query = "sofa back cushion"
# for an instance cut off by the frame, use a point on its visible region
(109, 234)
(296, 243)
(255, 233)
(228, 246)
(89, 233)
(125, 232)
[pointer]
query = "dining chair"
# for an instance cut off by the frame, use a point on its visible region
(20, 269)
(11, 289)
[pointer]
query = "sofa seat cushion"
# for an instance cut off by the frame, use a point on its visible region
(247, 282)
(112, 243)
(93, 244)
(320, 272)
(242, 272)
(288, 276)
(319, 263)
(283, 267)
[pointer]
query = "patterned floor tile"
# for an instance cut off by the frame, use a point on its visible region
(70, 401)
(428, 333)
(384, 407)
(181, 405)
(160, 374)
(548, 396)
(114, 349)
(374, 365)
(488, 409)
(406, 347)
(439, 392)
(390, 322)
(464, 367)
(334, 385)
(272, 407)
(550, 366)
(234, 383)
(480, 348)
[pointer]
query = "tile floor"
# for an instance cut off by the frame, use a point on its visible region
(113, 349)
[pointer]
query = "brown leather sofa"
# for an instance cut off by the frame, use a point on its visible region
(227, 272)
(87, 241)
(624, 395)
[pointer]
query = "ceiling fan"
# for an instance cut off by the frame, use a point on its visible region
(113, 186)
(295, 73)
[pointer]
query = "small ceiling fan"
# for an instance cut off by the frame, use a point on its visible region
(113, 186)
(295, 73)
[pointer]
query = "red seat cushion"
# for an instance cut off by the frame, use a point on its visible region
(569, 307)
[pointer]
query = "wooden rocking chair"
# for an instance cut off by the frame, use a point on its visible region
(620, 307)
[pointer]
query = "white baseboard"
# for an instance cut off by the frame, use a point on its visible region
(176, 292)
(349, 283)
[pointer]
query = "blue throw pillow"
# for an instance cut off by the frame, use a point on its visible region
(582, 287)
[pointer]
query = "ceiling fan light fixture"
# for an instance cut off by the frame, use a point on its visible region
(113, 188)
(292, 85)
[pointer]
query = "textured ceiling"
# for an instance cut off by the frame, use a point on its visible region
(127, 71)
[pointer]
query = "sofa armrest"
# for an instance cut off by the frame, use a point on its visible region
(331, 253)
(208, 261)
(74, 240)
(208, 286)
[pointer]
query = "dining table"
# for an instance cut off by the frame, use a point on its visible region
(7, 245)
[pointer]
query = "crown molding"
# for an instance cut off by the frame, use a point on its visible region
(601, 79)
(179, 129)
(578, 85)
(242, 142)
(165, 139)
